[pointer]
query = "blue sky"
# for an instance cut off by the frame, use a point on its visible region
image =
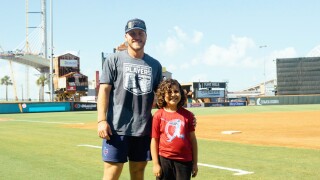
(207, 40)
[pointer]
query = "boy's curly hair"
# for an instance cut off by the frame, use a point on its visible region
(163, 88)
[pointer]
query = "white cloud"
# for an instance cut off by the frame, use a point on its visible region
(197, 37)
(288, 52)
(195, 61)
(244, 63)
(231, 56)
(249, 62)
(172, 68)
(241, 44)
(185, 66)
(183, 37)
(199, 77)
(171, 46)
(180, 34)
(315, 52)
(178, 41)
(270, 60)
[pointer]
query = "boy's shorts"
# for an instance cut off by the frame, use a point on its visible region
(120, 148)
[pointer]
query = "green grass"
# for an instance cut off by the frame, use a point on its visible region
(33, 150)
(254, 109)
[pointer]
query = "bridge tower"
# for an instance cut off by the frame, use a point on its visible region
(32, 52)
(44, 45)
(43, 26)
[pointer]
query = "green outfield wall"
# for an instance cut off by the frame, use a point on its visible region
(34, 107)
(287, 100)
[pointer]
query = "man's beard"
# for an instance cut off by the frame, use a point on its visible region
(135, 47)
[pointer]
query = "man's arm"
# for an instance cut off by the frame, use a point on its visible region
(154, 147)
(104, 130)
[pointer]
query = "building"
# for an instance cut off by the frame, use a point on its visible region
(166, 74)
(69, 84)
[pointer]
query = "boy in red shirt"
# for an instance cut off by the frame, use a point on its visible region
(174, 146)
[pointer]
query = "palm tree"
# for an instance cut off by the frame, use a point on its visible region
(7, 82)
(41, 82)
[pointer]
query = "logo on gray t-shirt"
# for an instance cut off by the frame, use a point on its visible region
(137, 78)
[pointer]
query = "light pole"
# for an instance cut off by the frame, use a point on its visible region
(264, 70)
(51, 57)
(22, 92)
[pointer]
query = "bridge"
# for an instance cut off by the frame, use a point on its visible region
(32, 52)
(38, 62)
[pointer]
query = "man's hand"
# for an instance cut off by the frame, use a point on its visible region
(104, 130)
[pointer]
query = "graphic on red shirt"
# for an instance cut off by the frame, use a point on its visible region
(173, 129)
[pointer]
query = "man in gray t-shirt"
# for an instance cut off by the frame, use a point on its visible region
(127, 85)
(130, 102)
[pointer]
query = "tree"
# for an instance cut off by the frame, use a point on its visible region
(7, 82)
(41, 81)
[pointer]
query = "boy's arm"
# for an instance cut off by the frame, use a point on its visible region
(194, 153)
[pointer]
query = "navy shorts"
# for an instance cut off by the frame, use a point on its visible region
(121, 148)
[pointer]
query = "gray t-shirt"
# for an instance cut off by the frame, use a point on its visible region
(134, 82)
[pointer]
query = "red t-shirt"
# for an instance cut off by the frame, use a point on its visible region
(173, 130)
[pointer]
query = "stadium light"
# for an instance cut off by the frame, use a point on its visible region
(264, 70)
(51, 57)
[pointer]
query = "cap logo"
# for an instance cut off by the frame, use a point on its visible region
(135, 24)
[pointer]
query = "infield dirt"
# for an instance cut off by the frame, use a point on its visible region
(290, 129)
(294, 129)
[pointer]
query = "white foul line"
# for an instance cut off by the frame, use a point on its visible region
(239, 172)
(43, 122)
(87, 145)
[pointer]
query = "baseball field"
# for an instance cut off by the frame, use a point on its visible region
(250, 142)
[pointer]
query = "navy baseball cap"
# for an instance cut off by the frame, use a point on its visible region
(135, 24)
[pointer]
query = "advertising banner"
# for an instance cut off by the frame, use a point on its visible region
(71, 88)
(191, 105)
(237, 103)
(80, 106)
(45, 107)
(68, 63)
(215, 104)
(268, 101)
(6, 108)
(198, 85)
(82, 88)
(209, 93)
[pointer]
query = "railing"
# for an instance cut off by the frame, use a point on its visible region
(18, 53)
(12, 100)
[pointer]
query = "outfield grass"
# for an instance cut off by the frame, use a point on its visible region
(34, 146)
